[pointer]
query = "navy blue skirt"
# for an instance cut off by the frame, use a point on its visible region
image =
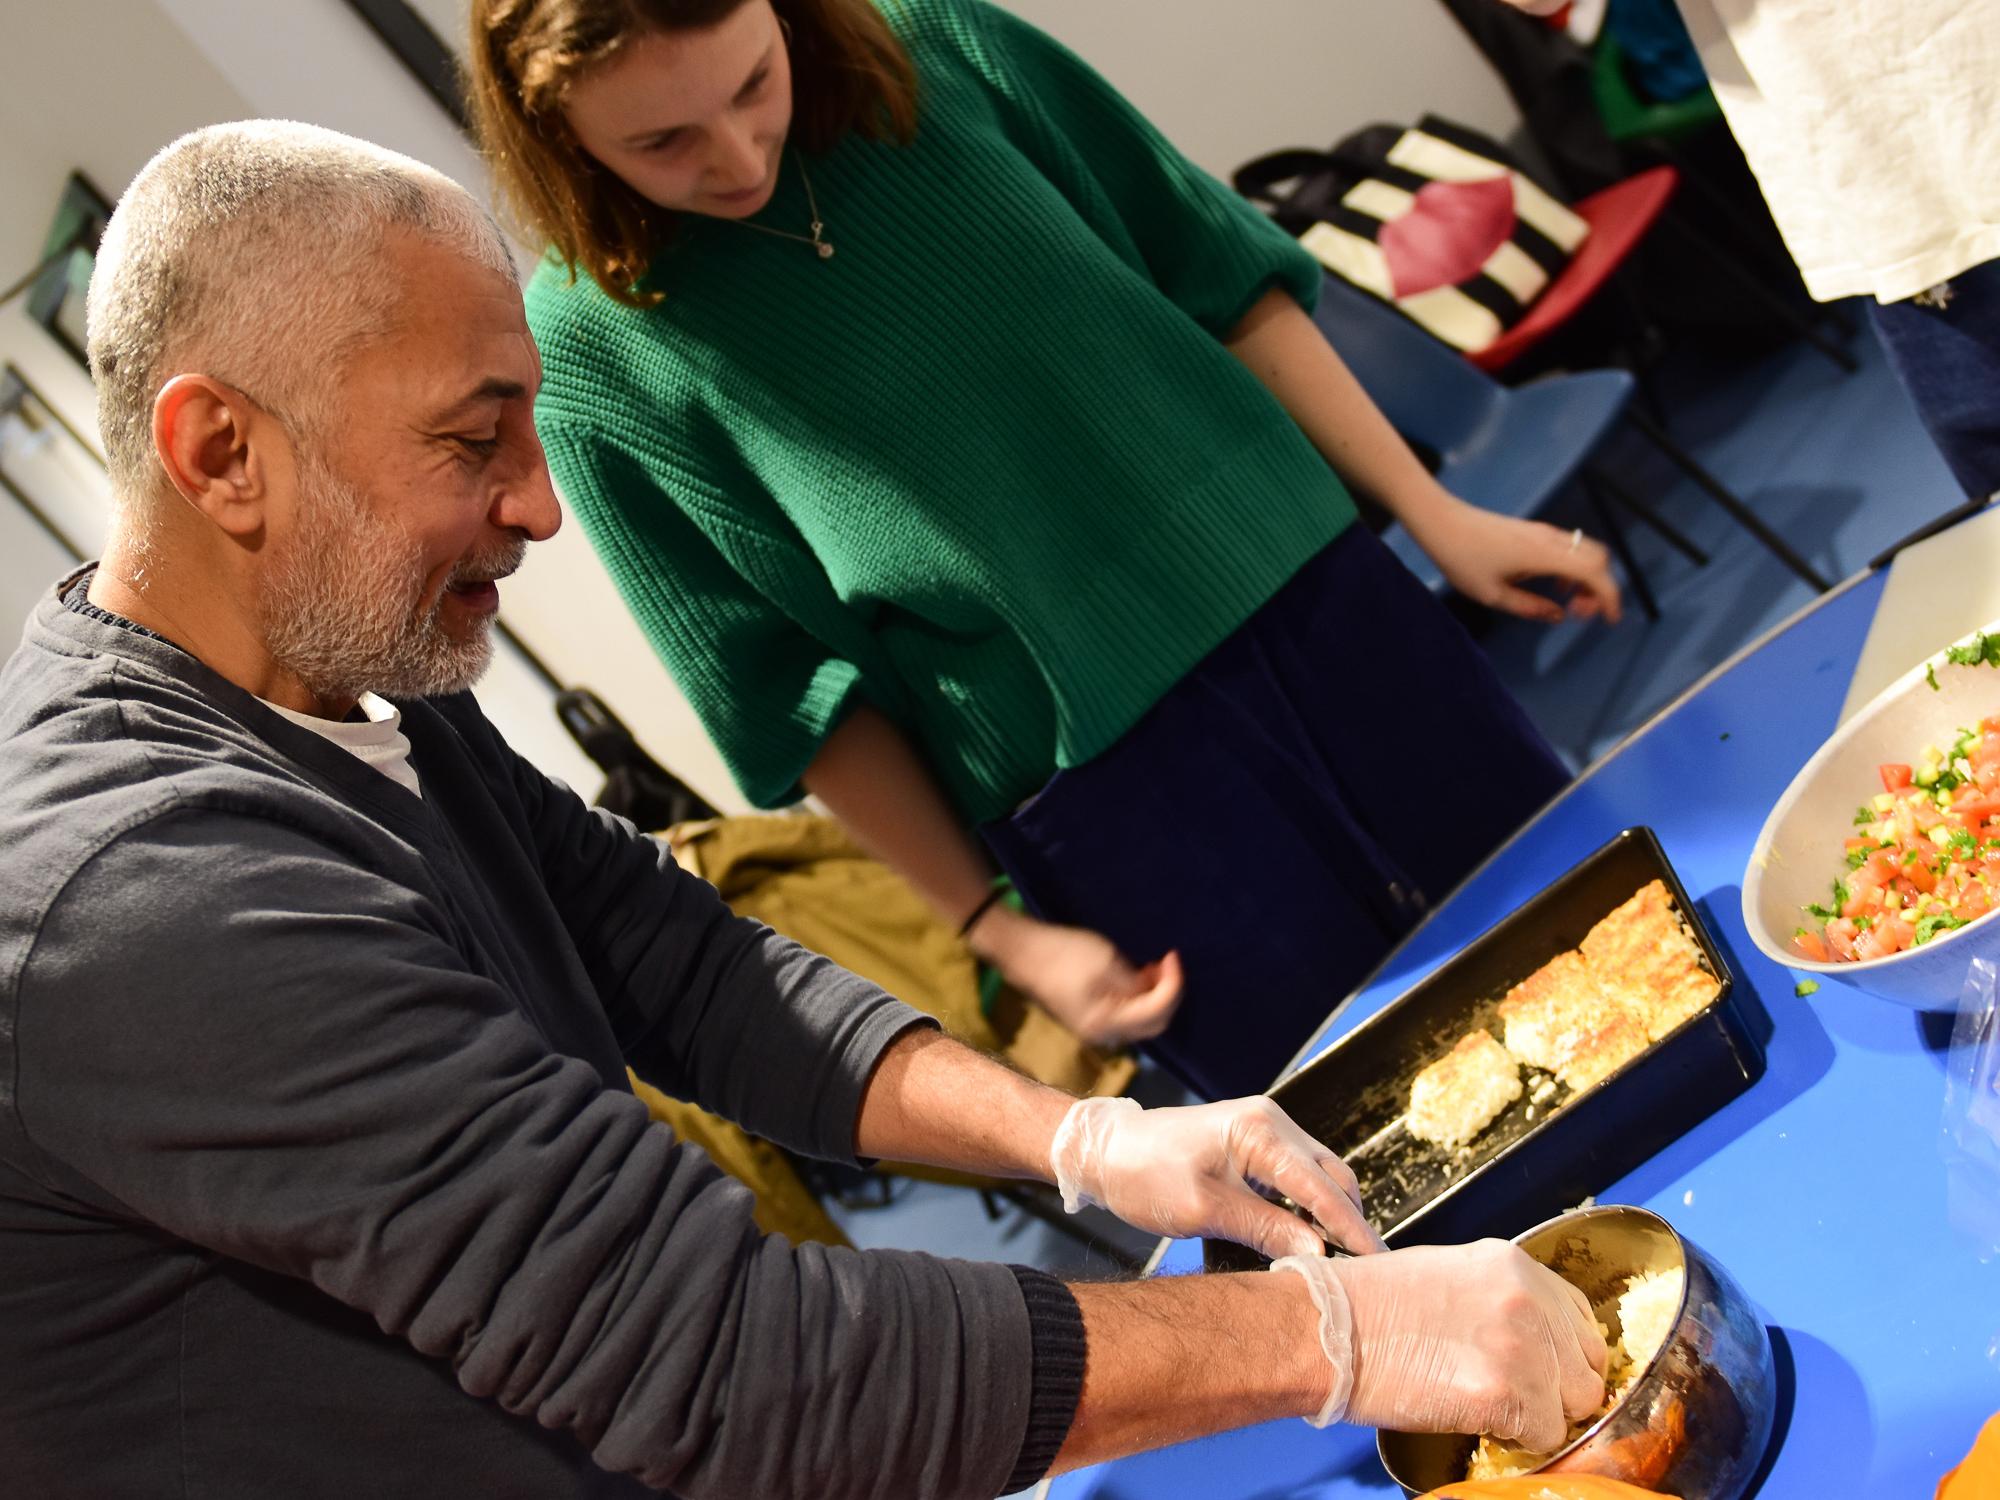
(1284, 815)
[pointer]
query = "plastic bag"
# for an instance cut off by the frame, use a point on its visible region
(1970, 1141)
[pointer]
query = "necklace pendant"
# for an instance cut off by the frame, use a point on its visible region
(825, 250)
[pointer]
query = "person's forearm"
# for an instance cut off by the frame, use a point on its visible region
(1181, 1357)
(1486, 556)
(936, 1101)
(874, 780)
(1279, 344)
(877, 783)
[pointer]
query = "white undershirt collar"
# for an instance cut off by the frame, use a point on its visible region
(378, 742)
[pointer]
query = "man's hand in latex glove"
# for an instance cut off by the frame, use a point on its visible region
(1079, 977)
(1195, 1171)
(1456, 1338)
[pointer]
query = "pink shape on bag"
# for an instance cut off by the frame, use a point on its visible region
(1447, 234)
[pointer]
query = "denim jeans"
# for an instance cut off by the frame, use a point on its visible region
(1948, 359)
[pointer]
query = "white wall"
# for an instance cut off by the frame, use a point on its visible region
(95, 86)
(1229, 81)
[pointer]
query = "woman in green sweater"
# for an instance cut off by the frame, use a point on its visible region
(974, 464)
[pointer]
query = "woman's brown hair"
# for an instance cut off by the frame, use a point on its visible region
(849, 73)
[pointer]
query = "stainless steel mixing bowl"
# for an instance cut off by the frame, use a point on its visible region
(1696, 1421)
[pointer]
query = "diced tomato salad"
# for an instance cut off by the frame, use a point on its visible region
(1924, 856)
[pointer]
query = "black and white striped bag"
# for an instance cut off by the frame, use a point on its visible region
(1436, 220)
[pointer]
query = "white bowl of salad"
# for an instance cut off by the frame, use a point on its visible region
(1880, 866)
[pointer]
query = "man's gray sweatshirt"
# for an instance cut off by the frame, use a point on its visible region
(319, 1174)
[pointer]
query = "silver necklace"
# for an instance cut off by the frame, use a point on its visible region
(820, 246)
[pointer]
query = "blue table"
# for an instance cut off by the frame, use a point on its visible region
(1823, 1188)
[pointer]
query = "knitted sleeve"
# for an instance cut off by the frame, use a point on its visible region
(1204, 246)
(736, 606)
(309, 1077)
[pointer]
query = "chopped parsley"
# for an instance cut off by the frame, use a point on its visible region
(1930, 676)
(1938, 921)
(1918, 868)
(1827, 914)
(1981, 650)
(1806, 987)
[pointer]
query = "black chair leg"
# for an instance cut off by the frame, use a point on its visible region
(1728, 213)
(1642, 590)
(1744, 516)
(1648, 516)
(1650, 342)
(1804, 324)
(1649, 393)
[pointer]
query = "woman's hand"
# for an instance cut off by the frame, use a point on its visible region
(1079, 977)
(1487, 557)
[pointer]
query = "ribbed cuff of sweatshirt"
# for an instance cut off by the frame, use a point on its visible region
(1055, 1327)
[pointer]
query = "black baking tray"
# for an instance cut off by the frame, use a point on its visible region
(1537, 1159)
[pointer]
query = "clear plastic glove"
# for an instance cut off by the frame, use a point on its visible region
(1080, 977)
(1456, 1338)
(1196, 1171)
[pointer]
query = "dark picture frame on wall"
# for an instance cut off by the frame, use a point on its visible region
(420, 50)
(57, 286)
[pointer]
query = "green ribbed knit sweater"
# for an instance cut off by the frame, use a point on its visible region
(988, 468)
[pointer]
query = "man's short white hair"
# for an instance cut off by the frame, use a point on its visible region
(252, 253)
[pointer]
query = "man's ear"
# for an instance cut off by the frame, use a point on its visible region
(202, 433)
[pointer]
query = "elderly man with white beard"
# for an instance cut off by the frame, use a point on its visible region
(318, 1172)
